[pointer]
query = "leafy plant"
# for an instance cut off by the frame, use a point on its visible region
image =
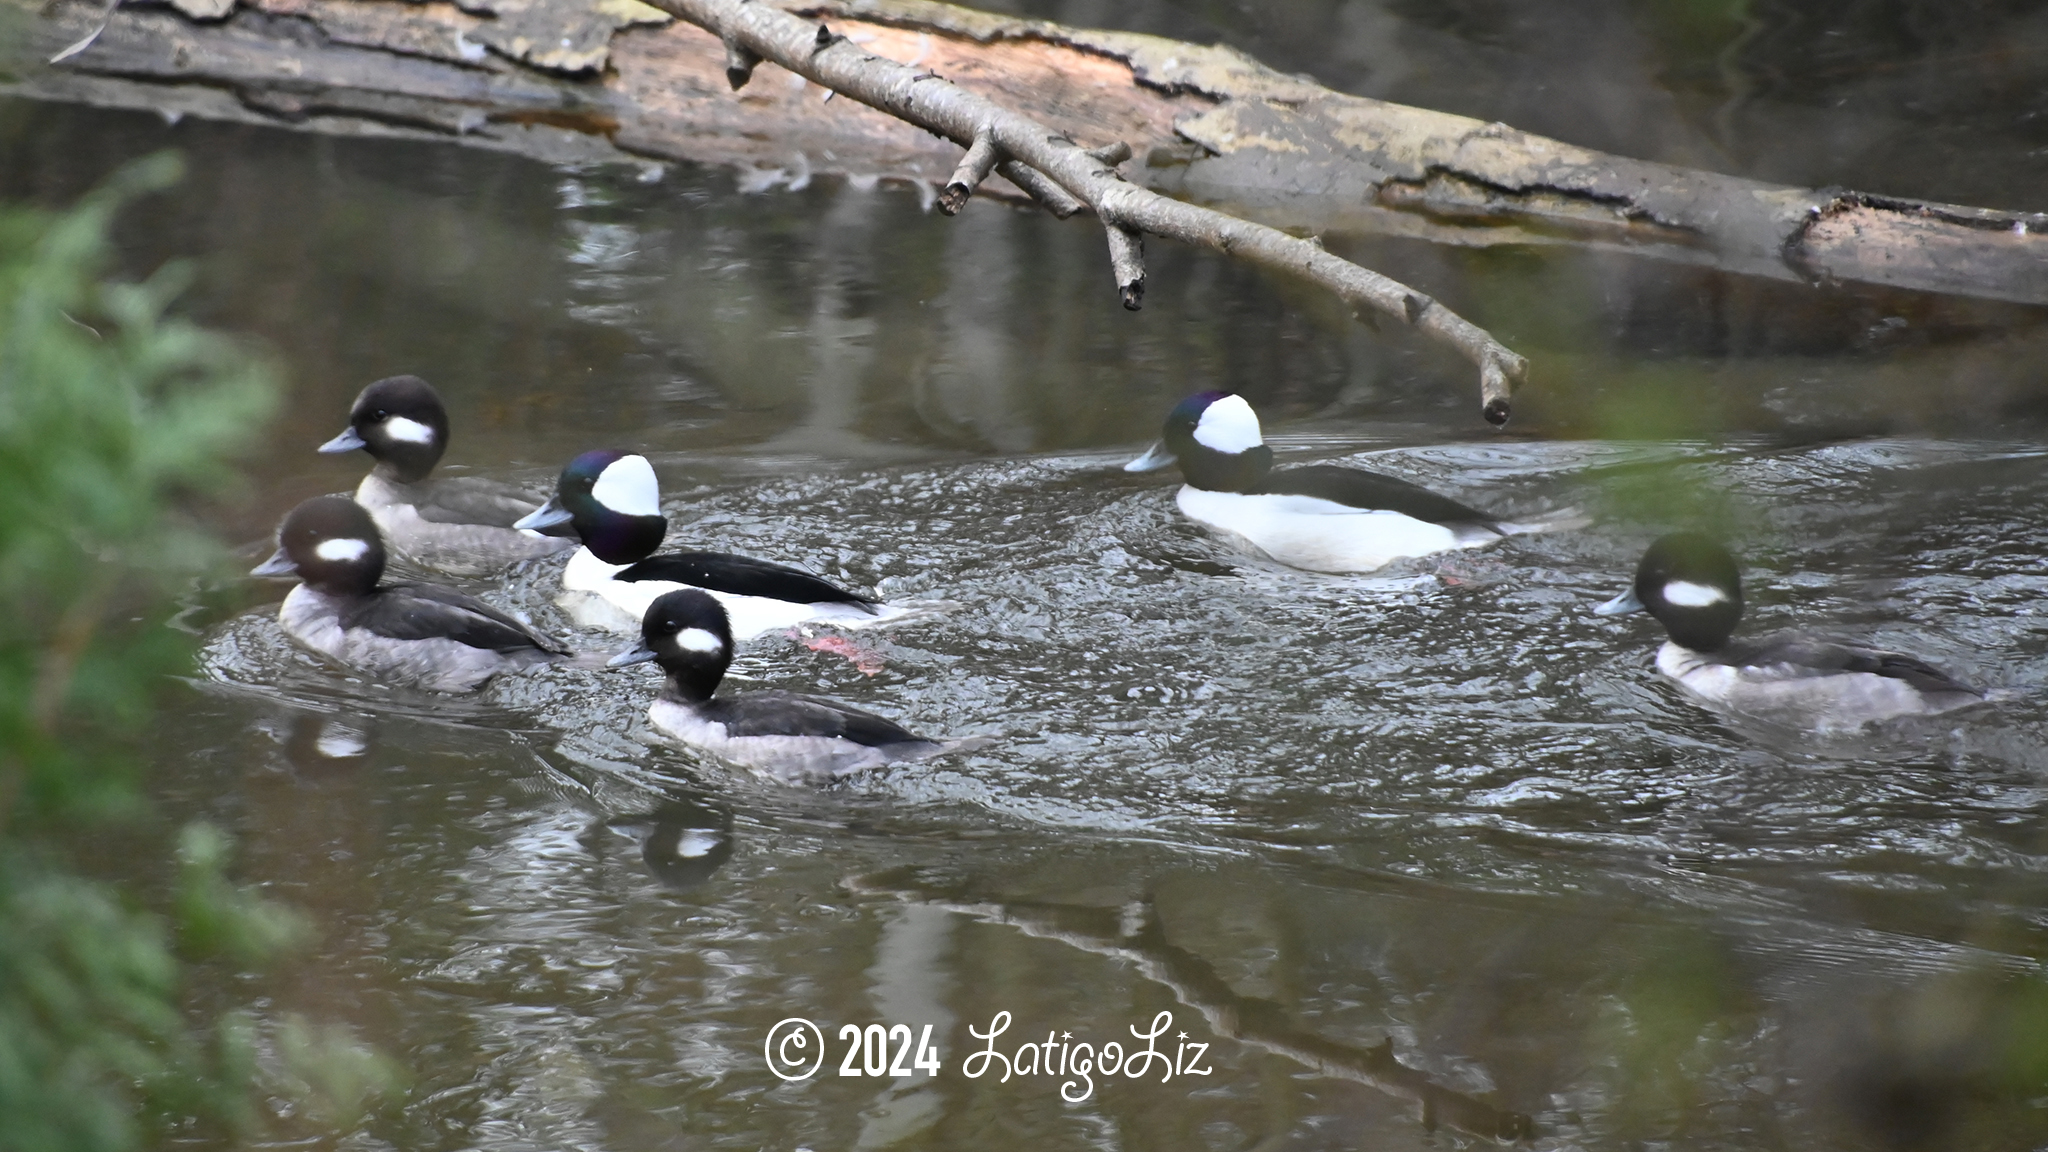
(114, 416)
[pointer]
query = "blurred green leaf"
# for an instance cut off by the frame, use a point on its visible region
(116, 416)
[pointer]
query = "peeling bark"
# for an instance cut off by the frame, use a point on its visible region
(1207, 125)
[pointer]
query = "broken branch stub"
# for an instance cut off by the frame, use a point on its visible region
(974, 168)
(938, 106)
(1127, 262)
(739, 63)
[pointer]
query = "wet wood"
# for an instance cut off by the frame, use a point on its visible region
(990, 128)
(599, 79)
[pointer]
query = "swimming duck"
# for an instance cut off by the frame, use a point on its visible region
(417, 634)
(1689, 583)
(612, 502)
(462, 525)
(788, 737)
(1318, 517)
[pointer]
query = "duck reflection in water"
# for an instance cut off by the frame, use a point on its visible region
(682, 842)
(320, 742)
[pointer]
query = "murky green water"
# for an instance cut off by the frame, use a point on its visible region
(1442, 809)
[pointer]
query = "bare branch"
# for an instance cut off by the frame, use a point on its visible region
(1057, 200)
(1127, 262)
(920, 98)
(974, 168)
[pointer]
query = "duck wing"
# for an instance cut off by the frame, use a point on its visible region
(1815, 656)
(1371, 492)
(742, 576)
(472, 500)
(777, 713)
(431, 612)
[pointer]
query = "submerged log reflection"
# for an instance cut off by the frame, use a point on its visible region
(1134, 934)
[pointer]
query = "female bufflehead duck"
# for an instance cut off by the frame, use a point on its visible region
(417, 634)
(614, 504)
(1689, 583)
(458, 524)
(794, 739)
(1320, 517)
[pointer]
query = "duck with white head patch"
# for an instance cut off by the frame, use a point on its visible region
(462, 525)
(1689, 583)
(613, 503)
(788, 737)
(416, 634)
(1318, 517)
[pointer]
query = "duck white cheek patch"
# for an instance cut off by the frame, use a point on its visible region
(699, 640)
(1687, 594)
(1229, 425)
(344, 549)
(695, 843)
(410, 431)
(627, 486)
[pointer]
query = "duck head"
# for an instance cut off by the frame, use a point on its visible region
(688, 634)
(612, 501)
(1215, 438)
(400, 422)
(331, 544)
(1691, 585)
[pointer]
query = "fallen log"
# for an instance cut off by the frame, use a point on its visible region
(588, 80)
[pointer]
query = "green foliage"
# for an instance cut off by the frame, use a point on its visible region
(110, 411)
(114, 416)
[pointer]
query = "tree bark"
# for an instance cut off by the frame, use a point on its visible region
(583, 80)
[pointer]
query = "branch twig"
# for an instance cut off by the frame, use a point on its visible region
(974, 168)
(1127, 261)
(994, 133)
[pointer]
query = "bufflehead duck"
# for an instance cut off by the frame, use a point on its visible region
(458, 524)
(614, 505)
(1690, 584)
(417, 634)
(1319, 517)
(792, 738)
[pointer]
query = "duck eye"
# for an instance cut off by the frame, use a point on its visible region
(379, 414)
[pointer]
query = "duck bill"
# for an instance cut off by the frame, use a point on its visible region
(639, 655)
(1155, 458)
(348, 441)
(279, 564)
(548, 515)
(1621, 605)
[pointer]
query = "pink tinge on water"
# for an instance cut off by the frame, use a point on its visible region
(866, 660)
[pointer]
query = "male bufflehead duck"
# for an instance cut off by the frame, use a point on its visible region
(1320, 517)
(614, 504)
(1690, 584)
(418, 634)
(458, 524)
(792, 738)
